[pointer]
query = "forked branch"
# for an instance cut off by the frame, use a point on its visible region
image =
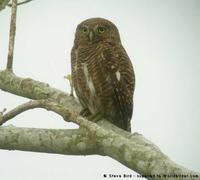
(21, 3)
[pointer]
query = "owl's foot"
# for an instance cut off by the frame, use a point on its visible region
(85, 112)
(95, 117)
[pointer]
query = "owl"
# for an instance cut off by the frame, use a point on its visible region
(102, 73)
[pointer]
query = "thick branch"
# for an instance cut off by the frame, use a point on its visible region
(12, 35)
(60, 141)
(135, 152)
(36, 90)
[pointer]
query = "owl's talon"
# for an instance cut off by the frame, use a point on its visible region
(95, 117)
(85, 112)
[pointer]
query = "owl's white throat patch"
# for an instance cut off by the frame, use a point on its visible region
(117, 73)
(88, 80)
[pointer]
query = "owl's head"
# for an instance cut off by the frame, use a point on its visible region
(96, 30)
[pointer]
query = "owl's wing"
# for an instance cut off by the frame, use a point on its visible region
(119, 69)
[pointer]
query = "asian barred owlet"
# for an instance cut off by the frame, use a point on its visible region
(102, 73)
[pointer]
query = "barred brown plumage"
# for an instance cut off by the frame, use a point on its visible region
(102, 73)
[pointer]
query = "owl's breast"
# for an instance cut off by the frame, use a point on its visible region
(92, 84)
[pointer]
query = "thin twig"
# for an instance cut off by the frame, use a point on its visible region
(12, 35)
(46, 104)
(23, 2)
(19, 109)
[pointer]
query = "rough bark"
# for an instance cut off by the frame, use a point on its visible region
(72, 142)
(103, 138)
(36, 90)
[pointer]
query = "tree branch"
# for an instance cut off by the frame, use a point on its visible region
(46, 104)
(4, 3)
(135, 152)
(12, 35)
(19, 109)
(132, 150)
(58, 141)
(21, 3)
(36, 90)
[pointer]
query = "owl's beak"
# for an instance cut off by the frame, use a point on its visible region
(91, 35)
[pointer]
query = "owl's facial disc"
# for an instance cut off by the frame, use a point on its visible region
(94, 33)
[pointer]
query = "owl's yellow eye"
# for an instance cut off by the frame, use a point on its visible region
(101, 29)
(84, 29)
